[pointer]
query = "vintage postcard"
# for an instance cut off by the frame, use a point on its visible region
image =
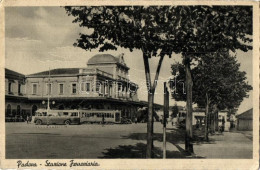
(129, 84)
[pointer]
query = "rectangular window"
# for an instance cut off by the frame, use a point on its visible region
(34, 91)
(48, 88)
(19, 88)
(74, 88)
(87, 87)
(98, 89)
(9, 87)
(61, 88)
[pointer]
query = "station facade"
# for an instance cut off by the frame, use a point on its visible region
(102, 84)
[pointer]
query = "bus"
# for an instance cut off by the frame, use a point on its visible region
(95, 116)
(67, 117)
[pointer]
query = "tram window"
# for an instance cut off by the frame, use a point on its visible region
(44, 113)
(112, 115)
(65, 113)
(74, 114)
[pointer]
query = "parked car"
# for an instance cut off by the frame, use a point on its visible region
(125, 120)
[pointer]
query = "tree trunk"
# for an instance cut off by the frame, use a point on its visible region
(206, 137)
(151, 89)
(150, 126)
(216, 120)
(212, 122)
(189, 84)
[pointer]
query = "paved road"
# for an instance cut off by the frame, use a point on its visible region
(112, 141)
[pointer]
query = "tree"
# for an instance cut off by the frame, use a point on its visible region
(163, 30)
(175, 111)
(218, 83)
(207, 29)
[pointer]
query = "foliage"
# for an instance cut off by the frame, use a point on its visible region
(163, 30)
(175, 111)
(218, 75)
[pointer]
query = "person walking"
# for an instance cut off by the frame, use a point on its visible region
(103, 120)
(223, 124)
(135, 120)
(27, 119)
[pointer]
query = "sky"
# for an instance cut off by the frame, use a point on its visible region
(39, 38)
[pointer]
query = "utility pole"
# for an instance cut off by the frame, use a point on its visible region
(165, 115)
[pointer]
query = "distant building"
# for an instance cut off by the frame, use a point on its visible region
(245, 120)
(103, 84)
(198, 114)
(15, 94)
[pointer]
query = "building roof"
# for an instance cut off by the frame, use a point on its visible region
(13, 74)
(107, 59)
(58, 71)
(246, 115)
(103, 58)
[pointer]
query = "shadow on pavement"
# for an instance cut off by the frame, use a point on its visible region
(175, 137)
(139, 151)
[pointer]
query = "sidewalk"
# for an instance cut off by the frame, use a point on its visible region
(227, 145)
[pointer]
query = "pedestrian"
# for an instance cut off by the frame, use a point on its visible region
(197, 124)
(103, 120)
(223, 124)
(27, 119)
(135, 120)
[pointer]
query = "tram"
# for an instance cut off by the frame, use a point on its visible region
(96, 116)
(67, 117)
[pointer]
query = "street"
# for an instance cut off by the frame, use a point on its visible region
(29, 141)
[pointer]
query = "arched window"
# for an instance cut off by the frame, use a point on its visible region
(8, 111)
(18, 112)
(34, 108)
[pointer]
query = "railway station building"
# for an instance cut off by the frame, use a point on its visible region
(102, 84)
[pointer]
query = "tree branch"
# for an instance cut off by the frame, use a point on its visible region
(157, 72)
(147, 71)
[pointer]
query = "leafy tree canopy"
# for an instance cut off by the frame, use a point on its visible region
(163, 30)
(218, 75)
